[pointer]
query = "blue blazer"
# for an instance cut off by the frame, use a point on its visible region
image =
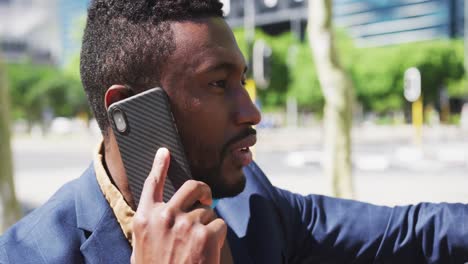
(266, 225)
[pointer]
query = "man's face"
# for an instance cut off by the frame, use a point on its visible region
(204, 79)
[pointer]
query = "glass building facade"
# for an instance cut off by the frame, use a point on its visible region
(369, 22)
(71, 17)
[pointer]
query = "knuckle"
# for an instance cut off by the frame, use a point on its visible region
(167, 217)
(192, 184)
(202, 235)
(224, 228)
(183, 225)
(140, 222)
(207, 189)
(223, 224)
(205, 186)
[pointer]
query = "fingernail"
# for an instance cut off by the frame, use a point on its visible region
(161, 153)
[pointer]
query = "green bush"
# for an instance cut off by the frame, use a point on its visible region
(273, 95)
(458, 88)
(304, 85)
(377, 73)
(35, 88)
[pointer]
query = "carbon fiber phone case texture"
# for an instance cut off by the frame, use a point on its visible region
(150, 126)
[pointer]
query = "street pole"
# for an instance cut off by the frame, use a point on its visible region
(417, 116)
(249, 31)
(291, 105)
(412, 93)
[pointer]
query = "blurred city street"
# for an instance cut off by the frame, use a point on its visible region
(364, 100)
(40, 42)
(388, 168)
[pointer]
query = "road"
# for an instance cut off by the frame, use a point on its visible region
(388, 170)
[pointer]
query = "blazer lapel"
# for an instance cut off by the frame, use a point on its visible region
(104, 240)
(106, 244)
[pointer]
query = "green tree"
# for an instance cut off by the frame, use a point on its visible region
(37, 87)
(9, 208)
(378, 72)
(274, 95)
(304, 85)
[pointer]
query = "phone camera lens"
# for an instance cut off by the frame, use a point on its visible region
(120, 120)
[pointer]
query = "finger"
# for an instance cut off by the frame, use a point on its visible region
(219, 228)
(189, 194)
(202, 214)
(154, 184)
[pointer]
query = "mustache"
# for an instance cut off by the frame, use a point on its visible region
(243, 134)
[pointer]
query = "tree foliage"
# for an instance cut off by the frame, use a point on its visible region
(377, 73)
(274, 94)
(35, 88)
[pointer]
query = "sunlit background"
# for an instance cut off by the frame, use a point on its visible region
(54, 134)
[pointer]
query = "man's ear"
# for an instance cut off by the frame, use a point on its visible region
(116, 93)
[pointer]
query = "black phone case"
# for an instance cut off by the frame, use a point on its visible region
(150, 126)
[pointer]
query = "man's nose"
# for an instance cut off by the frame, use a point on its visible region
(246, 111)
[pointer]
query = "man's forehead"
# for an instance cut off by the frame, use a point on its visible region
(207, 43)
(203, 32)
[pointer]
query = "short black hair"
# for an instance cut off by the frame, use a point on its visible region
(125, 42)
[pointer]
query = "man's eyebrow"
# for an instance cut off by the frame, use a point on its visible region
(221, 66)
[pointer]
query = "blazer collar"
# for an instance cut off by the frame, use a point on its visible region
(104, 241)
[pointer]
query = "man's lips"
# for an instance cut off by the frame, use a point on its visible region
(246, 142)
(240, 150)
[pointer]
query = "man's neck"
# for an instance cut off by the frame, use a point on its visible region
(113, 163)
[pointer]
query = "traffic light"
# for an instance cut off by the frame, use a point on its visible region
(262, 54)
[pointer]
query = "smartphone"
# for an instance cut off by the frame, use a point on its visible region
(142, 124)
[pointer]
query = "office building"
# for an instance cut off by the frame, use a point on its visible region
(369, 22)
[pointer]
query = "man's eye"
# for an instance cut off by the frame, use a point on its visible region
(219, 84)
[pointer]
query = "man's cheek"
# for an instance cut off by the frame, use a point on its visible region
(191, 105)
(195, 105)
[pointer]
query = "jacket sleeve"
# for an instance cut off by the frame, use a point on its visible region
(3, 255)
(330, 230)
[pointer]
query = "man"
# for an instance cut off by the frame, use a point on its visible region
(187, 48)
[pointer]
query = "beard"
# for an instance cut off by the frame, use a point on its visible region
(213, 177)
(211, 165)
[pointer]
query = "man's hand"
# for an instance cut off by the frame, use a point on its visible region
(184, 230)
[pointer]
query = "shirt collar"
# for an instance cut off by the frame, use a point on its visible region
(122, 211)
